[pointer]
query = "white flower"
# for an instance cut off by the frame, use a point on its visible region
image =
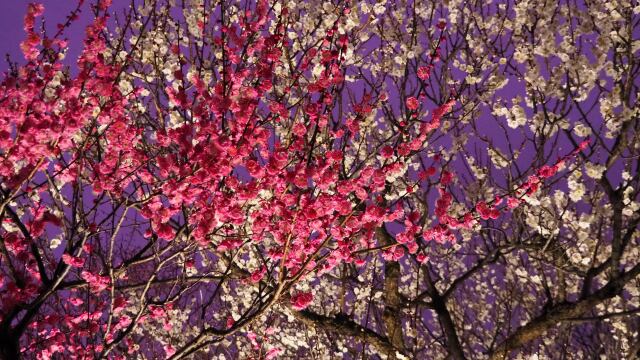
(497, 158)
(582, 130)
(518, 117)
(595, 171)
(55, 242)
(379, 8)
(577, 188)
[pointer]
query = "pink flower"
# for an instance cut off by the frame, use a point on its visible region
(512, 202)
(165, 231)
(257, 275)
(36, 9)
(412, 247)
(104, 4)
(583, 145)
(547, 171)
(271, 354)
(97, 283)
(386, 152)
(487, 212)
(394, 253)
(72, 261)
(169, 350)
(76, 301)
(301, 300)
(230, 244)
(119, 304)
(446, 177)
(88, 248)
(299, 129)
(424, 72)
(230, 322)
(412, 103)
(483, 210)
(156, 312)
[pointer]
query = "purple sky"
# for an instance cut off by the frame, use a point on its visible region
(56, 11)
(11, 17)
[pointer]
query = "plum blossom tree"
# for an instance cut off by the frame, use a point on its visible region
(279, 179)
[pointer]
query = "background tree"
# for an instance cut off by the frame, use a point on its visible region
(317, 179)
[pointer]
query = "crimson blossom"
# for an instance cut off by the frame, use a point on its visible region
(322, 179)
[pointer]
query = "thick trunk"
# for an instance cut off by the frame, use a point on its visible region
(449, 328)
(391, 316)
